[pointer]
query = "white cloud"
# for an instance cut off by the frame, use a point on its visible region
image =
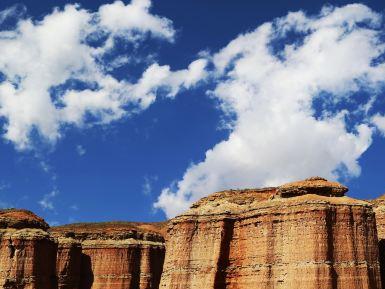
(134, 17)
(268, 84)
(47, 202)
(16, 10)
(379, 121)
(74, 207)
(156, 77)
(55, 74)
(148, 184)
(80, 150)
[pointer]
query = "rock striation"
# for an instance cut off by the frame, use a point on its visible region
(379, 209)
(109, 255)
(300, 235)
(27, 251)
(68, 263)
(79, 256)
(305, 234)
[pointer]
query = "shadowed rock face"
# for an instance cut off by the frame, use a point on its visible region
(379, 209)
(301, 235)
(112, 255)
(68, 263)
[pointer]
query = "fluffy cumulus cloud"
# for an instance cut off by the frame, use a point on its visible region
(293, 91)
(58, 71)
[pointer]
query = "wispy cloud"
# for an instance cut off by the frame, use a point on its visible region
(80, 150)
(74, 207)
(147, 186)
(47, 202)
(15, 11)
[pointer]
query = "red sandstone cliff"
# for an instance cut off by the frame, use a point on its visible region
(27, 252)
(68, 263)
(79, 256)
(379, 209)
(301, 235)
(113, 255)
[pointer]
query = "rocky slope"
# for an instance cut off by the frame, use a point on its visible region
(301, 235)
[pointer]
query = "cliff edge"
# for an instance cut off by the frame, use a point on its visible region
(304, 234)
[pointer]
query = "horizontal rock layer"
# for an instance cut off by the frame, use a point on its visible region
(79, 256)
(113, 255)
(379, 209)
(27, 259)
(300, 235)
(306, 241)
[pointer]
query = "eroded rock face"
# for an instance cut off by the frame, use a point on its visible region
(311, 236)
(27, 255)
(379, 209)
(68, 263)
(78, 256)
(300, 235)
(114, 255)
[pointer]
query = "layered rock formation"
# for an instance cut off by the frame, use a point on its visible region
(379, 209)
(80, 256)
(301, 235)
(113, 255)
(68, 263)
(27, 251)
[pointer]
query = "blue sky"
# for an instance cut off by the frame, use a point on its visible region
(105, 118)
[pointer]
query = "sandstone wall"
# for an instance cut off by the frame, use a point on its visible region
(27, 256)
(112, 256)
(68, 263)
(301, 235)
(122, 264)
(79, 256)
(303, 241)
(379, 209)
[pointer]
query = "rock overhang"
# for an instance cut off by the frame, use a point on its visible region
(313, 185)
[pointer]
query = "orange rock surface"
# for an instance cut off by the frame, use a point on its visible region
(301, 235)
(113, 255)
(321, 240)
(27, 252)
(68, 263)
(379, 209)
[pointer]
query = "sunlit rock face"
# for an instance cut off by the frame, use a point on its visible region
(300, 235)
(113, 255)
(81, 256)
(27, 251)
